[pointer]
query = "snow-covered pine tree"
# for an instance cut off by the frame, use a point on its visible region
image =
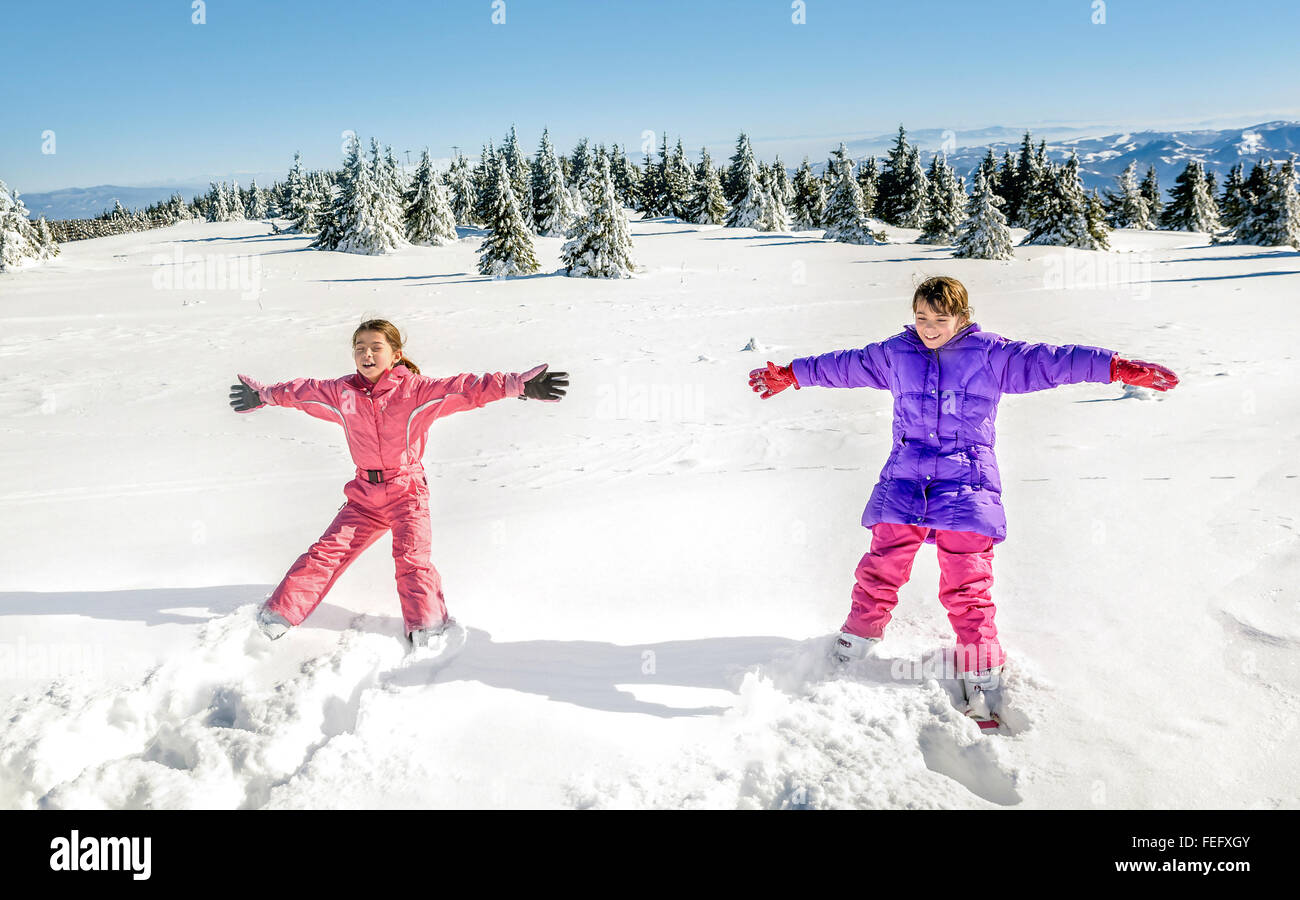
(218, 205)
(736, 180)
(893, 180)
(461, 187)
(1234, 204)
(1150, 191)
(1062, 212)
(868, 176)
(1029, 179)
(913, 202)
(295, 196)
(1004, 184)
(786, 191)
(47, 246)
(256, 208)
(19, 242)
(600, 244)
(508, 248)
(383, 171)
(521, 178)
(373, 223)
(679, 183)
(708, 204)
(552, 208)
(580, 162)
(1190, 207)
(334, 219)
(651, 190)
(234, 203)
(843, 218)
(809, 199)
(1274, 218)
(485, 187)
(989, 166)
(748, 205)
(626, 177)
(1126, 207)
(1095, 215)
(946, 204)
(984, 234)
(772, 214)
(427, 217)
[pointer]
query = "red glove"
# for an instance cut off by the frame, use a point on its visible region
(1142, 374)
(772, 380)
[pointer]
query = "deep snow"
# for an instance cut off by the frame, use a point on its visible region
(649, 570)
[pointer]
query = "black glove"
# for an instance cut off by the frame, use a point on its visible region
(243, 398)
(547, 386)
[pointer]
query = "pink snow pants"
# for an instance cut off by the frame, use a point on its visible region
(965, 577)
(401, 504)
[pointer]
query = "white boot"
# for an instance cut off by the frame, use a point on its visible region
(983, 696)
(425, 637)
(850, 647)
(273, 625)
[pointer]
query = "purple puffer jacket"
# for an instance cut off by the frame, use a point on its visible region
(942, 471)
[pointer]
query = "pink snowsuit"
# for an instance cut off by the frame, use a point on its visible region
(386, 425)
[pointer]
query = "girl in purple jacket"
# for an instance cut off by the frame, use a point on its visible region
(940, 484)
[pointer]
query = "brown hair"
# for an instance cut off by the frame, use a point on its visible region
(391, 335)
(947, 296)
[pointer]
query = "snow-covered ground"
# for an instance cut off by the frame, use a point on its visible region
(650, 570)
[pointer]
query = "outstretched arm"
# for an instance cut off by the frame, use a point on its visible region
(864, 367)
(312, 396)
(461, 392)
(1023, 367)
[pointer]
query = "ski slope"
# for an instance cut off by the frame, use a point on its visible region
(649, 570)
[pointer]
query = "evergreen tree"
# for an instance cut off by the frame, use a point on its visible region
(1005, 183)
(946, 203)
(894, 180)
(485, 186)
(913, 202)
(461, 185)
(708, 204)
(1064, 215)
(47, 246)
(20, 244)
(1190, 207)
(552, 208)
(335, 220)
(579, 164)
(294, 197)
(427, 217)
(1029, 178)
(1127, 208)
(218, 204)
(1150, 190)
(984, 234)
(1274, 218)
(782, 183)
(508, 248)
(868, 176)
(651, 190)
(844, 219)
(772, 214)
(234, 203)
(735, 184)
(600, 244)
(1234, 204)
(748, 205)
(809, 199)
(256, 208)
(386, 203)
(520, 176)
(626, 177)
(679, 184)
(1095, 215)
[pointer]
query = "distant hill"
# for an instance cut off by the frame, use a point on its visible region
(1102, 158)
(88, 202)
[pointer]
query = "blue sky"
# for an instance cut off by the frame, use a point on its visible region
(135, 93)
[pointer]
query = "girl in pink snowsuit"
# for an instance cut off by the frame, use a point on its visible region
(385, 408)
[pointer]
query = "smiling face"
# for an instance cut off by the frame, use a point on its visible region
(373, 355)
(935, 328)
